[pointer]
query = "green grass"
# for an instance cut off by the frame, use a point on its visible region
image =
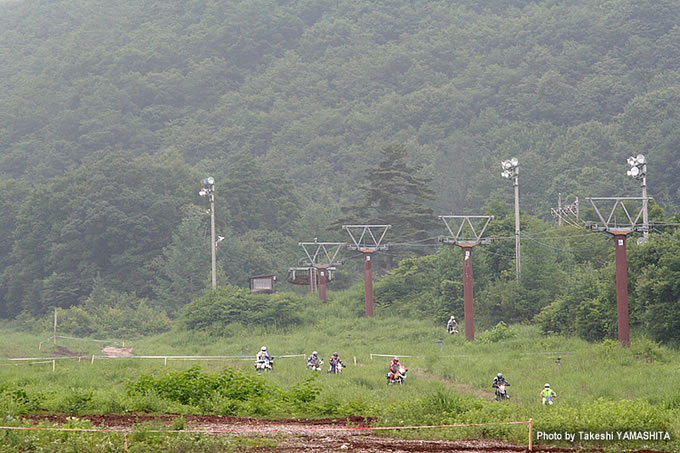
(601, 386)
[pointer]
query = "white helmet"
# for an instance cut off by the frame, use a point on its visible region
(263, 348)
(314, 353)
(547, 386)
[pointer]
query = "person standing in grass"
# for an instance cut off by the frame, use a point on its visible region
(548, 394)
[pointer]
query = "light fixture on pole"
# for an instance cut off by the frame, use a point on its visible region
(638, 170)
(511, 171)
(208, 190)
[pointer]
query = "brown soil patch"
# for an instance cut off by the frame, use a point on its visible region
(113, 351)
(63, 351)
(299, 435)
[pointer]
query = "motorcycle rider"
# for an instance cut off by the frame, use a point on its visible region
(264, 356)
(452, 325)
(313, 361)
(498, 380)
(548, 394)
(334, 361)
(394, 368)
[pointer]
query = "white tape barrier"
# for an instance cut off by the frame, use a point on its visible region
(164, 357)
(457, 356)
(89, 339)
(416, 356)
(396, 355)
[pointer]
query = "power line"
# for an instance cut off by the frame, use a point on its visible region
(560, 248)
(585, 234)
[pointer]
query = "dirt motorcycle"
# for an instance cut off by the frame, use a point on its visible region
(501, 393)
(335, 367)
(398, 377)
(549, 399)
(452, 329)
(264, 364)
(315, 365)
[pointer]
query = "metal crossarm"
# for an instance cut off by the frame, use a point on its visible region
(607, 224)
(318, 253)
(459, 235)
(367, 237)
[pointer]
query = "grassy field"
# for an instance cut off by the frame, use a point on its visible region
(602, 387)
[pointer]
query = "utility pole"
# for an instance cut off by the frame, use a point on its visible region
(562, 212)
(208, 190)
(619, 232)
(466, 242)
(559, 206)
(638, 170)
(511, 171)
(321, 259)
(367, 239)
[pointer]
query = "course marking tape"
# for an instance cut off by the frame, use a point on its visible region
(168, 357)
(29, 363)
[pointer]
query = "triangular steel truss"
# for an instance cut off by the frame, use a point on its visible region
(611, 223)
(322, 253)
(461, 234)
(367, 237)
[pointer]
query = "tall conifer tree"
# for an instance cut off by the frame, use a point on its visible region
(394, 194)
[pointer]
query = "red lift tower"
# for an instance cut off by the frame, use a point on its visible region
(620, 231)
(367, 239)
(322, 261)
(466, 236)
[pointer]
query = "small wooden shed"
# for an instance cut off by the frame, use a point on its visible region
(262, 284)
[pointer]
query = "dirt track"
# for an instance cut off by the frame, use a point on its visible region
(301, 435)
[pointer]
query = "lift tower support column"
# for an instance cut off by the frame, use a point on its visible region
(367, 239)
(466, 228)
(322, 257)
(620, 231)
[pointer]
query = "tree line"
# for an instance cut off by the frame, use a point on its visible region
(110, 114)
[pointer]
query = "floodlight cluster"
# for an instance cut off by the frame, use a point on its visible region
(638, 166)
(208, 186)
(509, 168)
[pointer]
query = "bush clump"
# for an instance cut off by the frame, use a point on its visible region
(230, 392)
(215, 309)
(500, 332)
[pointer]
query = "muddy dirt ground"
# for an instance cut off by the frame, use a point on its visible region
(302, 435)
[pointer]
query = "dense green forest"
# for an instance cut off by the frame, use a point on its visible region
(111, 113)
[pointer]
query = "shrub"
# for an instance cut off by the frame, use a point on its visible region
(218, 308)
(500, 332)
(229, 392)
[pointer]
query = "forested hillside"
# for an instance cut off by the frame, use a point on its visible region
(112, 112)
